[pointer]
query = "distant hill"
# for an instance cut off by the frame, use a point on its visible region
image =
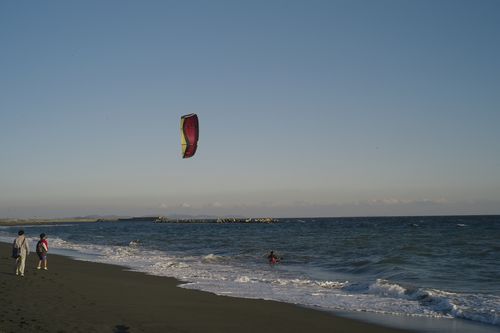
(102, 217)
(195, 217)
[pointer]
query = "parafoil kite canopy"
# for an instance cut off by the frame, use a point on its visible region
(189, 134)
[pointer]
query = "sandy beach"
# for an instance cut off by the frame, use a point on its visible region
(78, 296)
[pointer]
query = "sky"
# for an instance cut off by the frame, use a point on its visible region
(306, 108)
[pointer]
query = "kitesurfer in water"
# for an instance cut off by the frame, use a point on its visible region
(273, 259)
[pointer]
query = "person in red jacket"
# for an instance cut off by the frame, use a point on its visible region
(42, 247)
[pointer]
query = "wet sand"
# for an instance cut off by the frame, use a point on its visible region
(78, 296)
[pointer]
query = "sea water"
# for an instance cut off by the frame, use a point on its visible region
(427, 267)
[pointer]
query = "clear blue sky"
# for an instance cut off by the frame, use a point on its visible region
(307, 108)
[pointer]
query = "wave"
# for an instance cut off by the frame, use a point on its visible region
(213, 258)
(476, 307)
(135, 242)
(243, 279)
(310, 283)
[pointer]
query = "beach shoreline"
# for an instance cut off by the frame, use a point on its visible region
(78, 296)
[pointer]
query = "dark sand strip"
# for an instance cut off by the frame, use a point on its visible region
(78, 296)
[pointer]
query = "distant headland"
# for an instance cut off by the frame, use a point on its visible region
(153, 219)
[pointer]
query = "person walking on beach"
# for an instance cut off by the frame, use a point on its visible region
(20, 251)
(42, 247)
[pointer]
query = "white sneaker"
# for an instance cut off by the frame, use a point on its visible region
(22, 275)
(38, 267)
(46, 268)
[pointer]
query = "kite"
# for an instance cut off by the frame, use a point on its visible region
(189, 135)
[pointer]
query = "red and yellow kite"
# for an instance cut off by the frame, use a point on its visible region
(189, 134)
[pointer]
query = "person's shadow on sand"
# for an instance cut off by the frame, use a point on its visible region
(121, 329)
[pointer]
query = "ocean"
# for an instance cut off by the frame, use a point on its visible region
(445, 267)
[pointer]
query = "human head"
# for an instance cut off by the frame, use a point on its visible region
(42, 235)
(21, 232)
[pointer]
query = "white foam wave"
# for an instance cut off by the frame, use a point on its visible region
(243, 279)
(332, 284)
(135, 242)
(439, 303)
(384, 288)
(213, 258)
